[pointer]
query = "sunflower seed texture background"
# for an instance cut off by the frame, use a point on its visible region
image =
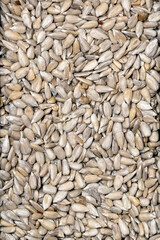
(80, 107)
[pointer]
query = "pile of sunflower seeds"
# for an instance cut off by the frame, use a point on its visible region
(80, 148)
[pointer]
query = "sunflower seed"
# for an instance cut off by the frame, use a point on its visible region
(80, 119)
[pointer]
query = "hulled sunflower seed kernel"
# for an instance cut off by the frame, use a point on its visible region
(79, 110)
